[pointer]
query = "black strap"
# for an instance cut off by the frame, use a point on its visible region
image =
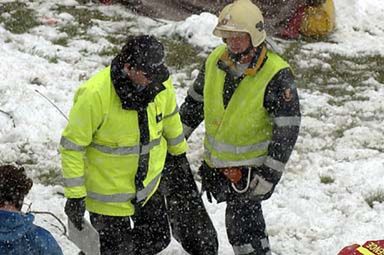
(144, 140)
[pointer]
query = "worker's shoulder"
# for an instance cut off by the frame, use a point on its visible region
(98, 84)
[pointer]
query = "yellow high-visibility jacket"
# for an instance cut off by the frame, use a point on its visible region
(100, 146)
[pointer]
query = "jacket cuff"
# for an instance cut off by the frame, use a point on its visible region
(269, 174)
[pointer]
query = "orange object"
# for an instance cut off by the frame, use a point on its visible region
(234, 174)
(369, 248)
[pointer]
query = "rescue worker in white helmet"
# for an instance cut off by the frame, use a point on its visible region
(122, 126)
(247, 96)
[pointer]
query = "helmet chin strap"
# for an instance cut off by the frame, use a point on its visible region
(236, 57)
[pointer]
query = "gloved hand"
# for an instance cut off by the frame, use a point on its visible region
(165, 186)
(75, 209)
(263, 183)
(213, 183)
(176, 175)
(260, 187)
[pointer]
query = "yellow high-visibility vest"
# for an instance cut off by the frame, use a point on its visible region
(239, 134)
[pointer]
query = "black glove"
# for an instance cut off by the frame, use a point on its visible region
(214, 183)
(176, 175)
(263, 182)
(75, 209)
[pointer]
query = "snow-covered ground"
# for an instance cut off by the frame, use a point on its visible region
(342, 141)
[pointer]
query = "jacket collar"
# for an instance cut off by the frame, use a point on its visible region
(226, 64)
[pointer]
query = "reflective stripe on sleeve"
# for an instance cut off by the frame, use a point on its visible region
(274, 164)
(73, 182)
(67, 144)
(197, 97)
(173, 113)
(176, 141)
(287, 121)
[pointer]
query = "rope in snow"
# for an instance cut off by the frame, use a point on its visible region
(52, 103)
(10, 116)
(53, 215)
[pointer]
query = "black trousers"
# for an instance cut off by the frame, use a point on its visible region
(191, 225)
(244, 218)
(189, 220)
(115, 234)
(245, 225)
(183, 209)
(150, 234)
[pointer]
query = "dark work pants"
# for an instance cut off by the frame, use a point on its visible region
(246, 227)
(191, 225)
(151, 230)
(150, 234)
(244, 217)
(114, 233)
(190, 222)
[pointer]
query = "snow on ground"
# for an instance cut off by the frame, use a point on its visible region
(341, 141)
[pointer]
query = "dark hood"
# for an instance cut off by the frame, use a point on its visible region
(14, 225)
(131, 98)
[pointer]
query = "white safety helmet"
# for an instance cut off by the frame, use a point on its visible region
(241, 16)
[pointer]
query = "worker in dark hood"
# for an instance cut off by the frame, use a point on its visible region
(18, 234)
(123, 124)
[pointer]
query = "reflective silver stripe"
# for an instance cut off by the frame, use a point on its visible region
(243, 249)
(116, 150)
(219, 163)
(113, 198)
(197, 97)
(146, 148)
(287, 121)
(70, 145)
(176, 141)
(264, 243)
(127, 150)
(274, 164)
(173, 113)
(142, 194)
(187, 130)
(73, 182)
(224, 147)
